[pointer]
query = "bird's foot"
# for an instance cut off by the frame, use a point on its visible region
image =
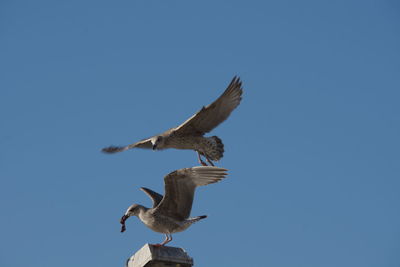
(168, 239)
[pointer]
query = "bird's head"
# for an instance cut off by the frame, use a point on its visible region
(157, 142)
(133, 210)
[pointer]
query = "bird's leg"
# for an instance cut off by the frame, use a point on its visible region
(164, 242)
(209, 161)
(167, 239)
(200, 160)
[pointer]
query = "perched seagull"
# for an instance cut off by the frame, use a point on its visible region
(190, 134)
(170, 213)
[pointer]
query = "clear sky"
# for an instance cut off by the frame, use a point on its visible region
(312, 151)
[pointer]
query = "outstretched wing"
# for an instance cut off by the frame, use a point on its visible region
(145, 143)
(155, 197)
(180, 186)
(212, 115)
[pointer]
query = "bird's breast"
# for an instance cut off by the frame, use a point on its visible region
(159, 223)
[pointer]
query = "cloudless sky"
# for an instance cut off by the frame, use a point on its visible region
(312, 151)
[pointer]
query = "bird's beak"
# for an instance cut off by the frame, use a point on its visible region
(122, 221)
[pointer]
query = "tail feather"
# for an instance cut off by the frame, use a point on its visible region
(192, 220)
(220, 145)
(218, 149)
(197, 218)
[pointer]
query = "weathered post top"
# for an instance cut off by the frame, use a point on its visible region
(151, 256)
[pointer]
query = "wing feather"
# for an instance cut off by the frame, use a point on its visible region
(145, 143)
(155, 197)
(212, 115)
(180, 187)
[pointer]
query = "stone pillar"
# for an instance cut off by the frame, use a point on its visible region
(151, 256)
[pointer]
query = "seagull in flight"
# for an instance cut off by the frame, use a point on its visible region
(190, 134)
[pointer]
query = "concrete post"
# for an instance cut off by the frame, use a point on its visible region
(151, 256)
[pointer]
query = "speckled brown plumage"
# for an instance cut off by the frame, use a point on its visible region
(171, 213)
(190, 134)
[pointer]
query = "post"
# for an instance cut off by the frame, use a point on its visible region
(151, 256)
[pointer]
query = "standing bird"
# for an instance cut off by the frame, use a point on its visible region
(190, 134)
(170, 213)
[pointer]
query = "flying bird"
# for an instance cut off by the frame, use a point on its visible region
(170, 213)
(190, 134)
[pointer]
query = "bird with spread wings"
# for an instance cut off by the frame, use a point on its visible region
(190, 134)
(171, 213)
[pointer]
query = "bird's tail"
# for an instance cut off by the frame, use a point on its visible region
(196, 219)
(188, 222)
(218, 149)
(201, 217)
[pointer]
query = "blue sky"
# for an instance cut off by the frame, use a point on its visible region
(312, 151)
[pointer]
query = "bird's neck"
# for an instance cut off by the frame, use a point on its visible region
(142, 211)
